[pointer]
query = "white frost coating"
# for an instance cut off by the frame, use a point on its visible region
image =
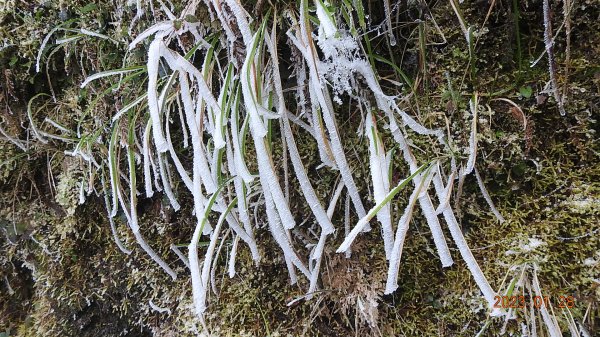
(182, 123)
(317, 257)
(265, 167)
(132, 218)
(424, 200)
(178, 62)
(347, 224)
(269, 181)
(42, 47)
(128, 107)
(381, 183)
(200, 162)
(146, 153)
(473, 139)
(447, 194)
(320, 90)
(166, 183)
(307, 189)
(218, 137)
(153, 106)
(280, 236)
(200, 301)
(233, 224)
(549, 44)
(113, 228)
(241, 18)
(388, 20)
(248, 87)
(322, 142)
(549, 320)
(185, 177)
(360, 225)
(327, 27)
(392, 279)
(465, 252)
(81, 193)
(334, 199)
(105, 74)
(416, 127)
(240, 193)
(232, 255)
(164, 28)
(182, 257)
(337, 149)
(240, 164)
(197, 288)
(487, 197)
(159, 309)
(436, 230)
(113, 172)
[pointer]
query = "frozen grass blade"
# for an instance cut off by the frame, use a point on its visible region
(487, 197)
(365, 220)
(398, 244)
(381, 183)
(473, 104)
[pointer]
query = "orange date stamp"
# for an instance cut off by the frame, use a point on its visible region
(537, 302)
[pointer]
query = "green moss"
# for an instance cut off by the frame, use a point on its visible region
(65, 275)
